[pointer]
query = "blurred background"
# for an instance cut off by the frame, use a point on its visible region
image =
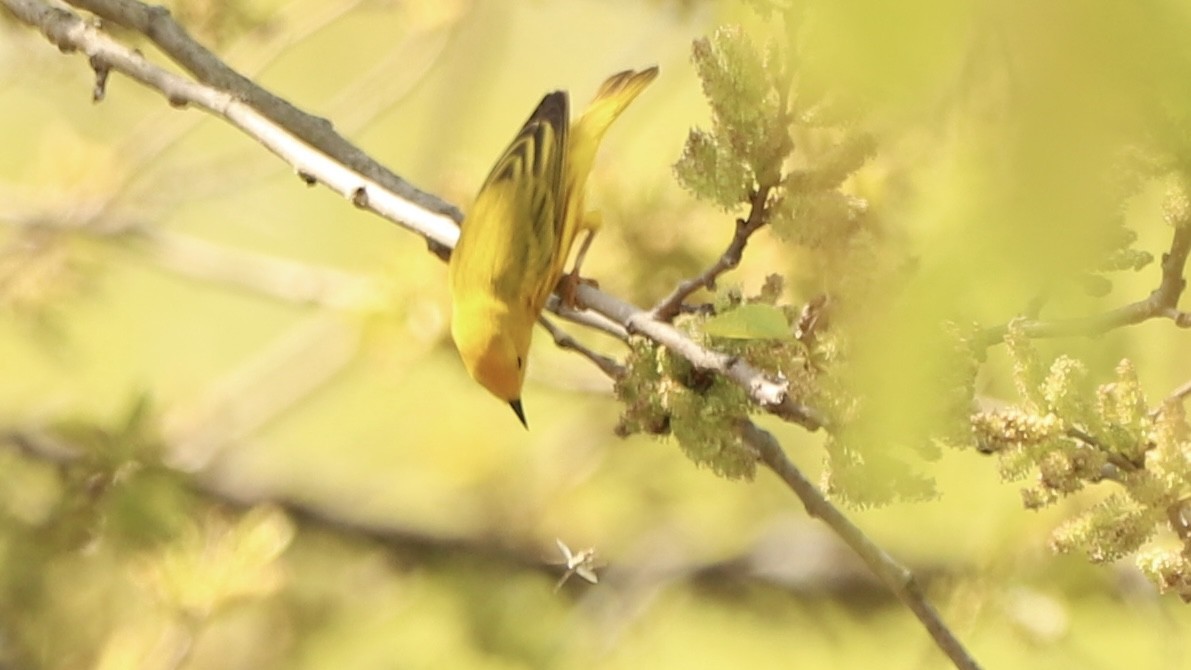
(170, 289)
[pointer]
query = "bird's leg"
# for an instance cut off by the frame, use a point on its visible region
(569, 284)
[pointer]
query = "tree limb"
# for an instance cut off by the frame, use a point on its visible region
(895, 576)
(564, 340)
(1163, 302)
(840, 576)
(1178, 395)
(69, 32)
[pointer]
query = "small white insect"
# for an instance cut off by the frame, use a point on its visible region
(580, 563)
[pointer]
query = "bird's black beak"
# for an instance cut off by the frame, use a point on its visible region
(516, 405)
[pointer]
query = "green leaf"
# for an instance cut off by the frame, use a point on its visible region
(750, 322)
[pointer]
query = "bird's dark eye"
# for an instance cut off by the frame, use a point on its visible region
(518, 362)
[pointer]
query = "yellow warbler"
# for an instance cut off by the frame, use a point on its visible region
(515, 241)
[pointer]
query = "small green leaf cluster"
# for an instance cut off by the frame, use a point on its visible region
(664, 394)
(864, 478)
(760, 116)
(760, 329)
(1071, 436)
(219, 561)
(766, 133)
(1117, 255)
(732, 316)
(750, 134)
(815, 212)
(117, 487)
(1116, 245)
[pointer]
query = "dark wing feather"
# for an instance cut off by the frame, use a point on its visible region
(537, 147)
(525, 185)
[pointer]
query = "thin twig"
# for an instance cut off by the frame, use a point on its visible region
(564, 340)
(357, 105)
(758, 216)
(1181, 392)
(45, 444)
(1117, 461)
(1163, 302)
(1178, 395)
(670, 306)
(587, 318)
(163, 131)
(895, 576)
(283, 279)
(838, 576)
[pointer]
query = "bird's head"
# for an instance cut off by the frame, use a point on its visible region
(494, 348)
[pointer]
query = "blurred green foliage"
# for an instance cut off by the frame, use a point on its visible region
(928, 168)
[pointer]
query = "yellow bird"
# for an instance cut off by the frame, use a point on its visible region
(515, 241)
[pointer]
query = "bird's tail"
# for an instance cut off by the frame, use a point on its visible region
(588, 130)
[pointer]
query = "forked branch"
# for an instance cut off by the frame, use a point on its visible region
(1163, 302)
(670, 306)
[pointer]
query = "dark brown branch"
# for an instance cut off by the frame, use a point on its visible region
(670, 306)
(1163, 302)
(44, 445)
(899, 580)
(895, 576)
(1117, 461)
